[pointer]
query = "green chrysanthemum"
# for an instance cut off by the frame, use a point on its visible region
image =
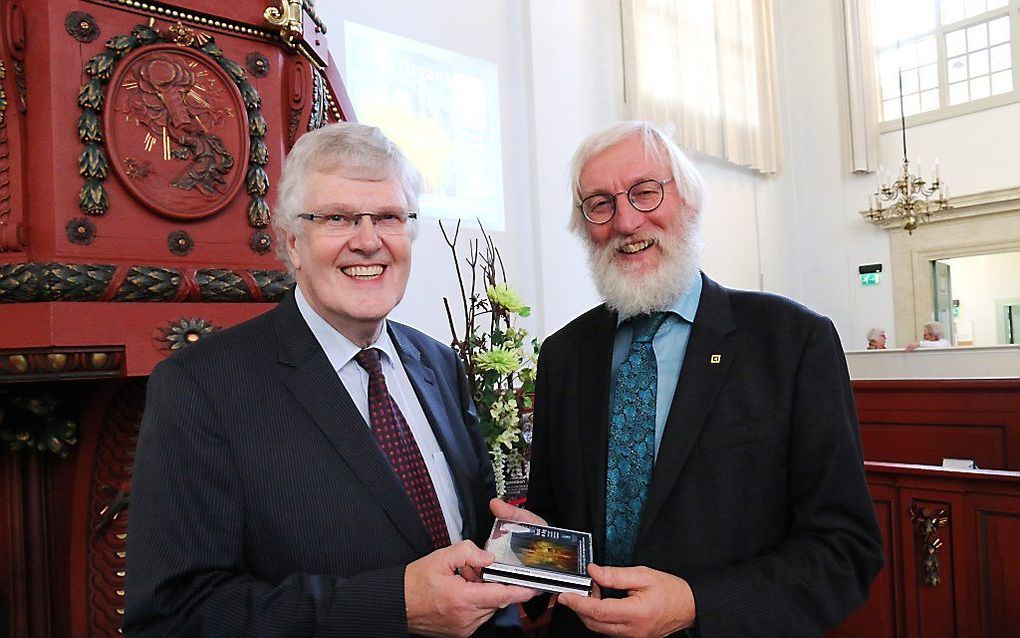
(498, 360)
(505, 297)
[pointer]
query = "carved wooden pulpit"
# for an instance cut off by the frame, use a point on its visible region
(140, 145)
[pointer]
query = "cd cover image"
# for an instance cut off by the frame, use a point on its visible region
(551, 559)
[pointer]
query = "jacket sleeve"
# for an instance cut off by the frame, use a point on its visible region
(186, 573)
(832, 550)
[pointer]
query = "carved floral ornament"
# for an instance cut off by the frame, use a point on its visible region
(180, 122)
(82, 26)
(184, 332)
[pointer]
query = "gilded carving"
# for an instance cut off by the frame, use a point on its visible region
(257, 64)
(36, 422)
(179, 242)
(80, 231)
(176, 126)
(174, 109)
(317, 118)
(81, 26)
(261, 242)
(184, 332)
(93, 282)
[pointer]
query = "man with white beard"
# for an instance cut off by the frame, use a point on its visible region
(707, 437)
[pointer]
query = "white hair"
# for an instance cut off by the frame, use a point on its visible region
(935, 328)
(353, 150)
(681, 253)
(656, 143)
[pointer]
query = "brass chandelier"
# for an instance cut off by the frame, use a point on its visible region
(909, 200)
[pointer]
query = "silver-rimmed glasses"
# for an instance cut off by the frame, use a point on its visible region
(644, 196)
(394, 223)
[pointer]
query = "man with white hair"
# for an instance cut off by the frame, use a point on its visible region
(318, 470)
(707, 437)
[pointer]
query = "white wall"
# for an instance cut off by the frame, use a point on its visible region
(576, 87)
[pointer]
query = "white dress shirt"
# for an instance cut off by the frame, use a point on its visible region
(340, 351)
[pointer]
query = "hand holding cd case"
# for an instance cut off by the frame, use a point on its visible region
(547, 558)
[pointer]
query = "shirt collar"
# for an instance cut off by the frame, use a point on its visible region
(686, 305)
(338, 348)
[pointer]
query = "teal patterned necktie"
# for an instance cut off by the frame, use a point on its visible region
(631, 440)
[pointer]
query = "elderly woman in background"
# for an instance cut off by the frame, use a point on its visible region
(876, 339)
(934, 336)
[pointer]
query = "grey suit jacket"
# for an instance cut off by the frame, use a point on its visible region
(261, 505)
(757, 498)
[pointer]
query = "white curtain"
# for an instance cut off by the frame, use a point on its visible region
(861, 127)
(708, 67)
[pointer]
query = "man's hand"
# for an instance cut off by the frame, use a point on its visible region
(658, 604)
(501, 509)
(442, 603)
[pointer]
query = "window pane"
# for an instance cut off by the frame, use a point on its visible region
(908, 56)
(894, 20)
(1002, 82)
(975, 7)
(890, 109)
(926, 53)
(956, 42)
(958, 93)
(957, 69)
(890, 85)
(977, 37)
(910, 82)
(998, 30)
(995, 4)
(1000, 58)
(929, 77)
(930, 99)
(979, 88)
(912, 104)
(952, 10)
(978, 63)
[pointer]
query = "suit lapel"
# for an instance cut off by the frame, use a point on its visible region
(596, 360)
(319, 391)
(447, 427)
(710, 351)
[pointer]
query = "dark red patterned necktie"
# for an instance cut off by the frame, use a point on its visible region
(397, 443)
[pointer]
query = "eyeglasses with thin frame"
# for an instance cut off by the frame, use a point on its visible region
(645, 196)
(347, 223)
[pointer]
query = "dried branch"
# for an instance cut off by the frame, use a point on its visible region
(460, 281)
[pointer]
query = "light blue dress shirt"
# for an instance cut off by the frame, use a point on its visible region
(670, 345)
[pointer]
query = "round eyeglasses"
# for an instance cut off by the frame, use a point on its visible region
(347, 223)
(644, 196)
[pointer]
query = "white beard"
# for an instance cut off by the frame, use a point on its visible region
(629, 292)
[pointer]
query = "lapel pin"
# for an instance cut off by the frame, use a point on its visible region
(716, 358)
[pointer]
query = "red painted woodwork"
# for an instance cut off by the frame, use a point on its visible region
(926, 421)
(978, 561)
(140, 150)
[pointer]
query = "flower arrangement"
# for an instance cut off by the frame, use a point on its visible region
(499, 360)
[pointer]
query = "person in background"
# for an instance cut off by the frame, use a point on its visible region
(876, 339)
(933, 336)
(706, 436)
(317, 470)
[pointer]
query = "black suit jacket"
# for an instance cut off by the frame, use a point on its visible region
(758, 497)
(261, 504)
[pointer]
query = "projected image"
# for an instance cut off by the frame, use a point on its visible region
(442, 108)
